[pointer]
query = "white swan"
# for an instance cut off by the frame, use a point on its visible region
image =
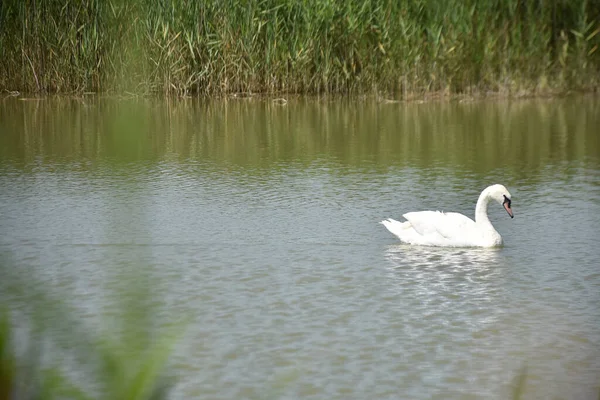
(434, 228)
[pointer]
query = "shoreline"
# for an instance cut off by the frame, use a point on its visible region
(284, 98)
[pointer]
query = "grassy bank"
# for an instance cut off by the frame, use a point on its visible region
(300, 46)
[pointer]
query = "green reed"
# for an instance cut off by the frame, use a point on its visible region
(45, 342)
(300, 46)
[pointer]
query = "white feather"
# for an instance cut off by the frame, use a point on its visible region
(435, 228)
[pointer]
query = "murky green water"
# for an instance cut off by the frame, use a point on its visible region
(259, 223)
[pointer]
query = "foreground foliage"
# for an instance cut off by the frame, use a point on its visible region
(48, 351)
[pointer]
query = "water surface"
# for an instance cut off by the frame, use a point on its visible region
(258, 224)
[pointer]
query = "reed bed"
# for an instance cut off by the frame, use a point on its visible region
(398, 48)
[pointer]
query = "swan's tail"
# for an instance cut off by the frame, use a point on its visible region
(396, 227)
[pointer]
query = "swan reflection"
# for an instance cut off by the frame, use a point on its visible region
(448, 286)
(424, 257)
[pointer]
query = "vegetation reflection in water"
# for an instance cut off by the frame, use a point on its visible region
(263, 134)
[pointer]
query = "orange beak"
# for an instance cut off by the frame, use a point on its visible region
(506, 205)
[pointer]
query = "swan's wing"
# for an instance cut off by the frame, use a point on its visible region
(448, 225)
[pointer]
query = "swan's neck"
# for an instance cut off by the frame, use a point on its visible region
(481, 215)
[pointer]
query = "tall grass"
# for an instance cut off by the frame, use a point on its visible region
(299, 46)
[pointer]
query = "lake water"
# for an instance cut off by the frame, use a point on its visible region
(257, 223)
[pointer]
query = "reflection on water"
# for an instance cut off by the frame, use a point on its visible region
(457, 293)
(261, 222)
(446, 274)
(450, 259)
(498, 318)
(480, 137)
(433, 270)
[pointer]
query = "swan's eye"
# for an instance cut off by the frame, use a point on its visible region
(506, 200)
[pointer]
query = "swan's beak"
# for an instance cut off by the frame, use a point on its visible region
(506, 205)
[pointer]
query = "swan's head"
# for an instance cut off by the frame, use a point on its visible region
(502, 196)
